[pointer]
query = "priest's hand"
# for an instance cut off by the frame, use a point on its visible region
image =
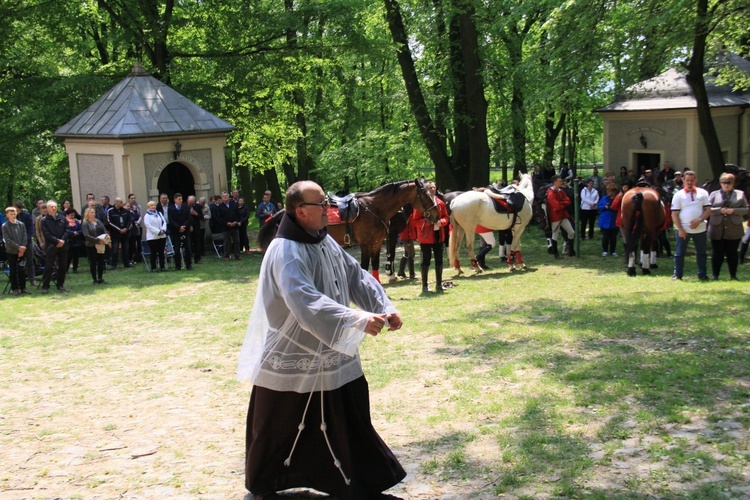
(394, 320)
(375, 324)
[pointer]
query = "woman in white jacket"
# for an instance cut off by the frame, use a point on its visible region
(589, 203)
(156, 235)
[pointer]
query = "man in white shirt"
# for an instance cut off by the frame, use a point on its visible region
(690, 210)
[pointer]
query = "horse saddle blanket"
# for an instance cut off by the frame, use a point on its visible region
(347, 206)
(513, 202)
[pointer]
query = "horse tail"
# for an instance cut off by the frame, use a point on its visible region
(455, 243)
(268, 232)
(636, 223)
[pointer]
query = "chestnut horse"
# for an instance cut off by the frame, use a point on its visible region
(370, 223)
(642, 221)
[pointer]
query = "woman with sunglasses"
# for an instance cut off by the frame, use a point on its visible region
(728, 207)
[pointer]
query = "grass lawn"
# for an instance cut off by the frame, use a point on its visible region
(569, 379)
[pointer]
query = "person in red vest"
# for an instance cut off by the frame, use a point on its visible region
(557, 211)
(431, 237)
(407, 237)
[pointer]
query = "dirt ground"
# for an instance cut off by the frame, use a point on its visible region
(155, 413)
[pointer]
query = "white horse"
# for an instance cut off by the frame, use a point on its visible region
(474, 208)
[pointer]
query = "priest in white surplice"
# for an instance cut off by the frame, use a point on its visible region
(308, 423)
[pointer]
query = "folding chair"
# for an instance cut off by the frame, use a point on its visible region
(146, 254)
(40, 260)
(6, 272)
(169, 253)
(218, 241)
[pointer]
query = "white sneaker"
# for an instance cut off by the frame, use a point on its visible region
(604, 254)
(614, 254)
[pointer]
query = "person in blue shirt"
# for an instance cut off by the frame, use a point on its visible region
(266, 209)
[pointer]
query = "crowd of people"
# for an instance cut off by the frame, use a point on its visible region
(695, 214)
(54, 237)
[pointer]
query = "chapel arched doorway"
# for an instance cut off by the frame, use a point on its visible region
(176, 178)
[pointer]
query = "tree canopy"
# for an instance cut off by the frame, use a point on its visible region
(349, 92)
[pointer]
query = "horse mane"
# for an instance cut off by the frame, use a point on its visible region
(526, 186)
(389, 188)
(268, 232)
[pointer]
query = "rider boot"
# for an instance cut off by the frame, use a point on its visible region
(439, 277)
(402, 267)
(411, 269)
(553, 248)
(425, 268)
(569, 243)
(483, 251)
(743, 251)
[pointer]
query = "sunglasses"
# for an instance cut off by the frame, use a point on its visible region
(322, 204)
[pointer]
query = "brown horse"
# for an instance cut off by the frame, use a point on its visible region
(370, 222)
(642, 220)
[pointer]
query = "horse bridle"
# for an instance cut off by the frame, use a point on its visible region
(422, 191)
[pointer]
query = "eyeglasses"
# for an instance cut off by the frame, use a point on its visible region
(322, 204)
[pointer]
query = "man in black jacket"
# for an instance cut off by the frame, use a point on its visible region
(228, 219)
(196, 239)
(55, 247)
(180, 225)
(119, 224)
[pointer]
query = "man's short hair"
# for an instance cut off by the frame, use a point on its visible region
(294, 197)
(106, 198)
(688, 172)
(555, 177)
(18, 204)
(177, 195)
(267, 193)
(90, 194)
(10, 209)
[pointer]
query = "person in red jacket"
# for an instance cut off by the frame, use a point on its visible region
(617, 206)
(557, 211)
(407, 237)
(431, 237)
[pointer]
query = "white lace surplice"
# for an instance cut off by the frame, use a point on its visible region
(303, 336)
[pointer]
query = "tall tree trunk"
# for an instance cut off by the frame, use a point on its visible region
(436, 149)
(461, 146)
(289, 173)
(298, 97)
(514, 45)
(698, 85)
(272, 184)
(551, 132)
(476, 104)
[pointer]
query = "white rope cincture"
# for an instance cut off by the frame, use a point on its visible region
(300, 428)
(324, 428)
(323, 425)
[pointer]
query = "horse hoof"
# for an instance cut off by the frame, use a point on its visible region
(653, 266)
(631, 271)
(645, 272)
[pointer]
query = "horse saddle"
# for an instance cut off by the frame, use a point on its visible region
(347, 205)
(507, 200)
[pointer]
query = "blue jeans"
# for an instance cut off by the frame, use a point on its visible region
(699, 239)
